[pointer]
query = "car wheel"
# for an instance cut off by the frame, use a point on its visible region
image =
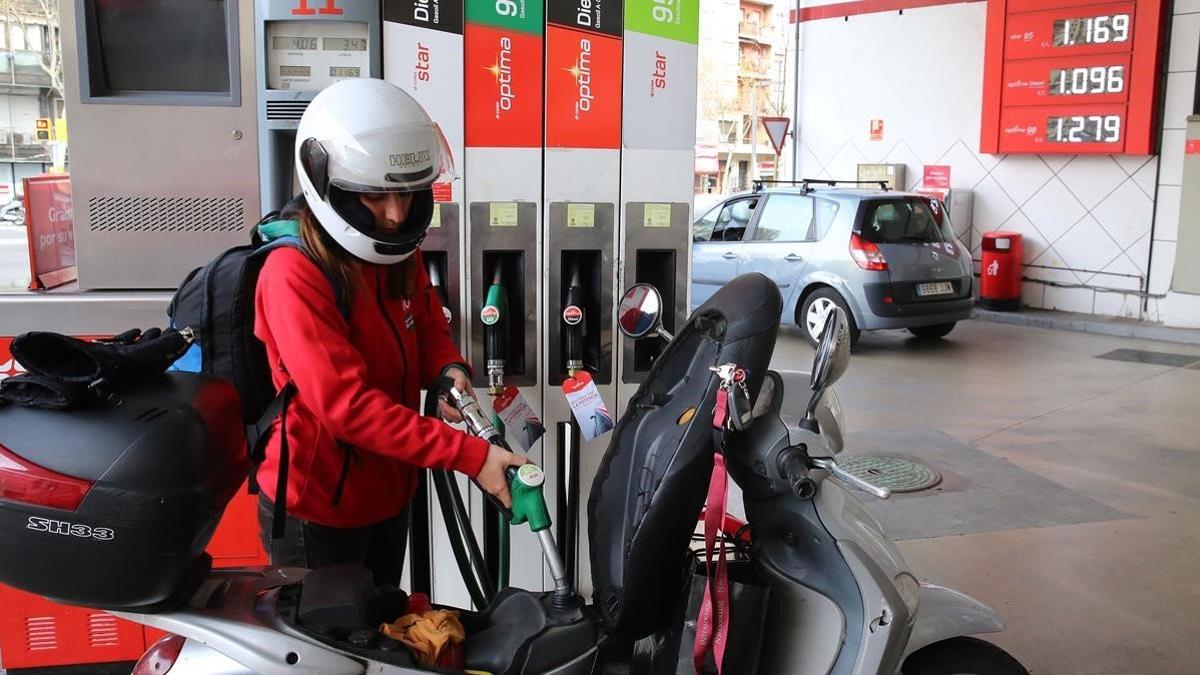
(933, 332)
(816, 308)
(962, 655)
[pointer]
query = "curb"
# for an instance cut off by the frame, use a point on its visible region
(1087, 323)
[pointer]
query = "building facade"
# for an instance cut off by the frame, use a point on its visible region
(28, 52)
(743, 52)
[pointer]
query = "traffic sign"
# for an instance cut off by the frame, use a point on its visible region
(777, 128)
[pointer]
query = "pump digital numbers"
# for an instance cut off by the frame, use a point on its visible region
(663, 11)
(1092, 30)
(344, 44)
(1082, 81)
(1084, 129)
(344, 71)
(294, 43)
(295, 71)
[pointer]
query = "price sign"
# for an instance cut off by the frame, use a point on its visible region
(1063, 76)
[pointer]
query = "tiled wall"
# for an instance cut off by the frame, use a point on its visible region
(1175, 308)
(1086, 220)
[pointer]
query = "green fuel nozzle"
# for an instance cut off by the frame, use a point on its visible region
(528, 502)
(494, 316)
(529, 506)
(525, 484)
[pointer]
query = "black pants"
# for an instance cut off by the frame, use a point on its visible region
(380, 547)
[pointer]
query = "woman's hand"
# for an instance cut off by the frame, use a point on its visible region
(491, 477)
(463, 383)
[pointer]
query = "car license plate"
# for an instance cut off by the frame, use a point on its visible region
(935, 288)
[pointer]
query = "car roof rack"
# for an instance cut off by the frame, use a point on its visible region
(805, 183)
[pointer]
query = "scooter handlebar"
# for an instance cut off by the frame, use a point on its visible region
(795, 470)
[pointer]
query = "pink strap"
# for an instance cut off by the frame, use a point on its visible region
(712, 626)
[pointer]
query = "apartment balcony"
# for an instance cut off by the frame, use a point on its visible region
(21, 145)
(22, 68)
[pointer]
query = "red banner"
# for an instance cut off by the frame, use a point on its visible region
(51, 231)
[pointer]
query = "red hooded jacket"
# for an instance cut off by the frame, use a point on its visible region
(358, 386)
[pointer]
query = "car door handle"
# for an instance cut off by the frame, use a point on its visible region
(792, 257)
(730, 255)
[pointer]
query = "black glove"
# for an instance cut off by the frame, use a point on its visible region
(33, 391)
(125, 358)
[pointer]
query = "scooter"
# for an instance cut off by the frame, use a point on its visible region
(840, 597)
(13, 212)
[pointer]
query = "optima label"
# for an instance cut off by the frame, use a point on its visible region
(503, 88)
(583, 89)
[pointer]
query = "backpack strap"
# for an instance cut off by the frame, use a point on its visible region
(279, 518)
(259, 432)
(297, 243)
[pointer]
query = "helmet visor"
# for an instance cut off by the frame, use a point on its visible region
(399, 158)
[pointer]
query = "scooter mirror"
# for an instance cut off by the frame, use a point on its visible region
(640, 311)
(833, 351)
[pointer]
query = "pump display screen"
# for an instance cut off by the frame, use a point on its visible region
(307, 55)
(297, 43)
(345, 44)
(1065, 76)
(161, 45)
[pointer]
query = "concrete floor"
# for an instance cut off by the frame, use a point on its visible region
(1114, 596)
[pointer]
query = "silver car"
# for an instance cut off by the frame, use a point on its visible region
(889, 259)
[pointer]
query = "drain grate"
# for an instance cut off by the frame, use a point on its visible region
(895, 473)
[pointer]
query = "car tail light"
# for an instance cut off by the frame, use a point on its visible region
(161, 657)
(866, 254)
(26, 482)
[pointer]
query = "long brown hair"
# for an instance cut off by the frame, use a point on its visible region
(344, 268)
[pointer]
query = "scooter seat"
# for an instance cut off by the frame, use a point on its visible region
(654, 476)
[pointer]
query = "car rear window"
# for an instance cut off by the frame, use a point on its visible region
(905, 220)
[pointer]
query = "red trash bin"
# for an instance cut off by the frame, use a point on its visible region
(1001, 271)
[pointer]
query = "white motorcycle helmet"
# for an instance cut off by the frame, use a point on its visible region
(366, 135)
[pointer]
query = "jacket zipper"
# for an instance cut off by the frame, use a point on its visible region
(348, 449)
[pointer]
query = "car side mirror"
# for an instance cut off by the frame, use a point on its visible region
(640, 313)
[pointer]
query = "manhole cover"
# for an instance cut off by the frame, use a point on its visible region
(894, 473)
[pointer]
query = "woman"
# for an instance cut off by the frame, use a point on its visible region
(351, 321)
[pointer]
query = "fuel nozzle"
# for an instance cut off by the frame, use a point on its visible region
(476, 421)
(494, 316)
(525, 484)
(572, 318)
(529, 506)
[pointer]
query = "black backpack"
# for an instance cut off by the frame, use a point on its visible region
(217, 302)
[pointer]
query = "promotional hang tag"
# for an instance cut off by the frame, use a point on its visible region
(585, 401)
(521, 424)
